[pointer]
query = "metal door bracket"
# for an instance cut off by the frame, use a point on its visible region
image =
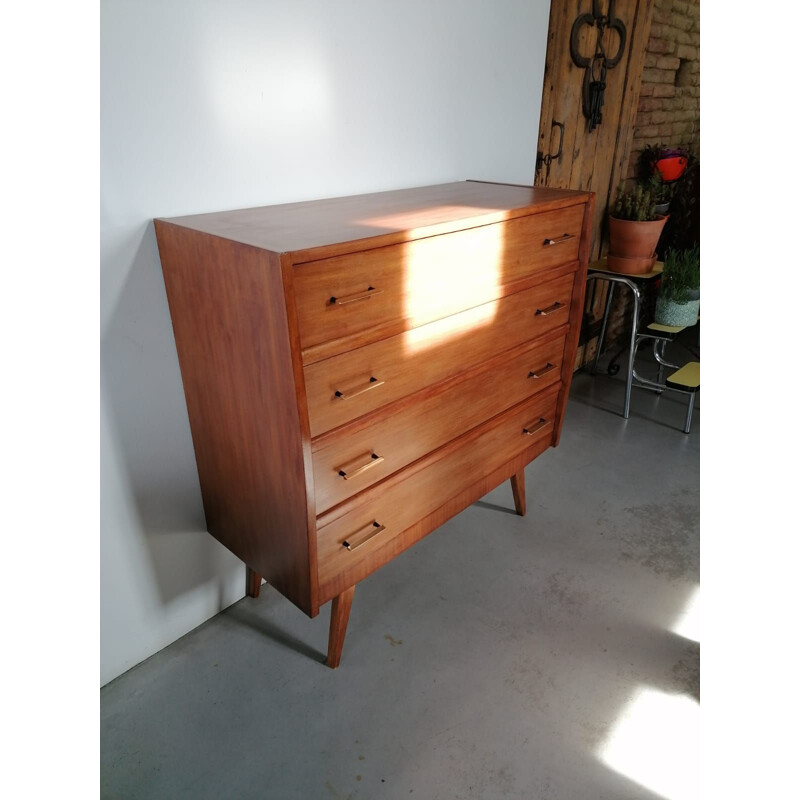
(550, 157)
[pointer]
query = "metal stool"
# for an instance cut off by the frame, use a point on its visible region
(687, 378)
(686, 381)
(597, 272)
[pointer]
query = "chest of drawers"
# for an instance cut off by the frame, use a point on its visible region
(359, 370)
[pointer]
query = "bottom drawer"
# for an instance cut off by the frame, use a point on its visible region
(362, 529)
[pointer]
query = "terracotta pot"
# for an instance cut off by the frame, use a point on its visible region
(629, 238)
(631, 265)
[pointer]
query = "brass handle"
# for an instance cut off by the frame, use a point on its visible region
(550, 309)
(560, 240)
(372, 383)
(356, 467)
(363, 535)
(353, 298)
(535, 427)
(549, 368)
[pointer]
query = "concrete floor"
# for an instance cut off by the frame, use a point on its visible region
(501, 657)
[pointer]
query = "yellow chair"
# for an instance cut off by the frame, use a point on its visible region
(685, 380)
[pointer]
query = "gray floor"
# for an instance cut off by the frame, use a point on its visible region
(495, 659)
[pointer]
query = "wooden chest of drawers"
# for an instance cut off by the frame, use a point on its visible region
(359, 370)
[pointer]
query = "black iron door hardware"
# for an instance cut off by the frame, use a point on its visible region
(596, 66)
(548, 159)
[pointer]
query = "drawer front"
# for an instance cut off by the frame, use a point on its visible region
(430, 278)
(345, 387)
(384, 513)
(357, 456)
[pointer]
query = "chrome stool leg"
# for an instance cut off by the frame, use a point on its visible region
(689, 410)
(660, 378)
(634, 345)
(603, 327)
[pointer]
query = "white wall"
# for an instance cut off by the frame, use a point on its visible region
(208, 106)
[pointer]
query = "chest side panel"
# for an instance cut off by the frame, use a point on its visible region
(231, 331)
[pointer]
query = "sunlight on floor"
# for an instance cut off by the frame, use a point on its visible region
(688, 623)
(655, 743)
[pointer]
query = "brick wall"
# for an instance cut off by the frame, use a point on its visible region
(669, 100)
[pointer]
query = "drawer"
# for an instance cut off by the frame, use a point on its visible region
(359, 455)
(386, 511)
(426, 279)
(352, 384)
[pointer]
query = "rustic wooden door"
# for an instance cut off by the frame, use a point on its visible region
(591, 159)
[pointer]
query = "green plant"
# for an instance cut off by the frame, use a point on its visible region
(683, 226)
(680, 281)
(637, 205)
(660, 192)
(647, 161)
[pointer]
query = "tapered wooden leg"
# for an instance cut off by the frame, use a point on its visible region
(253, 583)
(340, 613)
(518, 488)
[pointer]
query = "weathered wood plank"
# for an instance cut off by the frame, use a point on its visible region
(592, 160)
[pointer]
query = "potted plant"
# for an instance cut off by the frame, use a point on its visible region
(669, 163)
(634, 229)
(660, 191)
(672, 163)
(682, 230)
(678, 300)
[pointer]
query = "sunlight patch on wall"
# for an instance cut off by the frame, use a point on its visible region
(655, 742)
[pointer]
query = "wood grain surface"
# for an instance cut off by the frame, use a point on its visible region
(429, 278)
(231, 331)
(323, 228)
(576, 309)
(340, 614)
(518, 490)
(594, 159)
(410, 495)
(429, 354)
(330, 436)
(418, 425)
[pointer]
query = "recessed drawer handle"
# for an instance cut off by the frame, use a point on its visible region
(355, 468)
(550, 309)
(363, 535)
(543, 371)
(353, 298)
(535, 427)
(372, 383)
(560, 240)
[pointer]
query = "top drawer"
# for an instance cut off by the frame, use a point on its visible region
(425, 279)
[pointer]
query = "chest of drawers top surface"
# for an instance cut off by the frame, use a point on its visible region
(360, 369)
(386, 217)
